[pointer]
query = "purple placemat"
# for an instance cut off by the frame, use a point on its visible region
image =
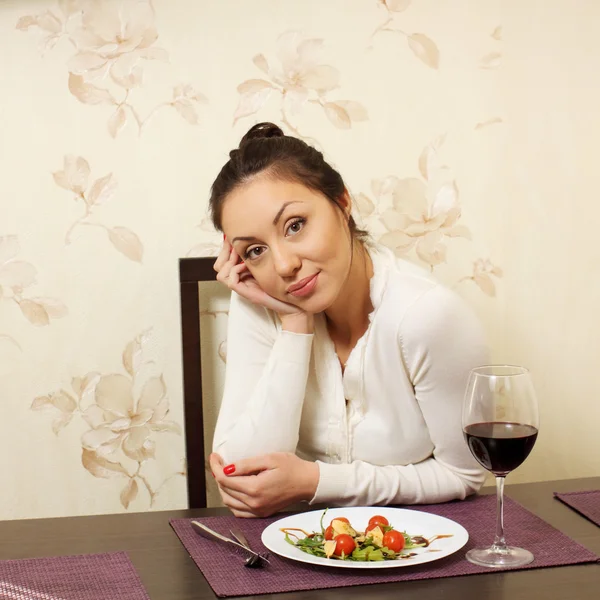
(586, 503)
(228, 577)
(108, 576)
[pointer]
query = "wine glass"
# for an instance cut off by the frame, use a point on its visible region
(500, 422)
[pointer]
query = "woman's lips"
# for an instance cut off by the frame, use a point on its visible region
(304, 287)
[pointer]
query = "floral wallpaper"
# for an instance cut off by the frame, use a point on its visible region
(296, 74)
(120, 114)
(15, 277)
(124, 412)
(112, 41)
(74, 178)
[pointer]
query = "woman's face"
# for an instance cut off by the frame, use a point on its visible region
(294, 241)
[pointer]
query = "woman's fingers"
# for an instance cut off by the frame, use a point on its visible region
(236, 273)
(235, 500)
(238, 495)
(239, 508)
(223, 274)
(223, 256)
(243, 514)
(236, 487)
(216, 463)
(237, 277)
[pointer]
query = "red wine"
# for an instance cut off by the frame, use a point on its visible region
(500, 447)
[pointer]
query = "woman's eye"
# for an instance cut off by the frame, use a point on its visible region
(295, 226)
(254, 252)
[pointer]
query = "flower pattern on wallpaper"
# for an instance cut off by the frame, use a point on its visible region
(491, 61)
(299, 77)
(75, 178)
(421, 214)
(483, 270)
(113, 39)
(16, 276)
(488, 122)
(211, 248)
(421, 45)
(124, 413)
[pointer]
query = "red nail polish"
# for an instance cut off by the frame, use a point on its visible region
(224, 237)
(229, 469)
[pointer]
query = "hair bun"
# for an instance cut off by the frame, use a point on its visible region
(262, 130)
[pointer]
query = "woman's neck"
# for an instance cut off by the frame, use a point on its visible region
(348, 317)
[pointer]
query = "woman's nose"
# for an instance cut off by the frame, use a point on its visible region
(286, 263)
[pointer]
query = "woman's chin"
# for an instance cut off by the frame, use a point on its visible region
(314, 305)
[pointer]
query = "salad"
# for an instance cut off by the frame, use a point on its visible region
(339, 540)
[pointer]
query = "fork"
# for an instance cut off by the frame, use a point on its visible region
(254, 560)
(237, 533)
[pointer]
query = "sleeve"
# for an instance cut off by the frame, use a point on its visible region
(265, 383)
(441, 341)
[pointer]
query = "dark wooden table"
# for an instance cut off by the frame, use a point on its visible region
(168, 573)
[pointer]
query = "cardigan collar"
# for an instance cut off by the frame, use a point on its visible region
(383, 260)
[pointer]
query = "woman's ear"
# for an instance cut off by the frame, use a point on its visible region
(345, 202)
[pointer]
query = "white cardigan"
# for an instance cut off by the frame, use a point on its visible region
(387, 431)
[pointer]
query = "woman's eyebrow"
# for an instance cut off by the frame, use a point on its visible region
(243, 239)
(275, 221)
(280, 211)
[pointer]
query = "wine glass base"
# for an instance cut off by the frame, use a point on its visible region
(499, 558)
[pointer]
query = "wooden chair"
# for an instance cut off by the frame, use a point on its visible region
(192, 272)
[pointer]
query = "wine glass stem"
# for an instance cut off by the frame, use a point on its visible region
(499, 541)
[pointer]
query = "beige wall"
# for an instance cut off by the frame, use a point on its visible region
(552, 264)
(467, 135)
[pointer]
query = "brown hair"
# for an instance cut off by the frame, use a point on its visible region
(265, 149)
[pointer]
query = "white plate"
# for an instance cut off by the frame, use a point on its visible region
(412, 521)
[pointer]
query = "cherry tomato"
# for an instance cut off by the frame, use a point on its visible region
(341, 519)
(378, 520)
(393, 540)
(329, 533)
(344, 543)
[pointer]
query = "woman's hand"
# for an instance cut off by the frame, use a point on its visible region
(235, 275)
(262, 485)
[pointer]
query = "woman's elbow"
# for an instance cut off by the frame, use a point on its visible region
(472, 482)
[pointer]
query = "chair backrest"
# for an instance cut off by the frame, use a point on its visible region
(192, 271)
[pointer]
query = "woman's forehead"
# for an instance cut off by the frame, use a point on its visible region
(269, 190)
(262, 200)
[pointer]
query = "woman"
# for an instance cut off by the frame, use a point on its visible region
(345, 365)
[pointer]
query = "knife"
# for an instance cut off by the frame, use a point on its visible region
(255, 560)
(238, 534)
